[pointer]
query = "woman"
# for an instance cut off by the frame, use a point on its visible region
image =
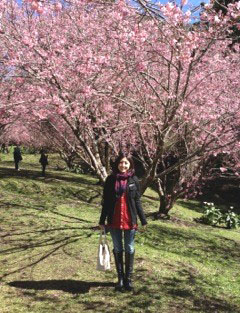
(121, 206)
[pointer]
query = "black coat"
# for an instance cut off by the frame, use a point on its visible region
(43, 159)
(17, 155)
(133, 200)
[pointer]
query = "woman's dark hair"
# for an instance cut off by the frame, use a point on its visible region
(119, 158)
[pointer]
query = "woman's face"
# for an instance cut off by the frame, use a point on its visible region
(124, 165)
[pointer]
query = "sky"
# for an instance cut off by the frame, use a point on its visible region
(192, 2)
(190, 5)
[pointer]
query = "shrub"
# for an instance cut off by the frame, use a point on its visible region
(213, 216)
(231, 219)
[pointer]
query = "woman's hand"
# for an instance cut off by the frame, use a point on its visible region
(143, 228)
(101, 227)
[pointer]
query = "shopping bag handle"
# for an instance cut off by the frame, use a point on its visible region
(103, 235)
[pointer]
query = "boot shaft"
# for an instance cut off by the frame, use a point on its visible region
(129, 260)
(118, 257)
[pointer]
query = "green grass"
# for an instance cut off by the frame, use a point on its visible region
(48, 248)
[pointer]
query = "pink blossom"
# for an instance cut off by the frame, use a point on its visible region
(58, 6)
(184, 2)
(34, 5)
(148, 84)
(223, 169)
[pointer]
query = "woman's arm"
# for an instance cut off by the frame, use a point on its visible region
(105, 196)
(138, 202)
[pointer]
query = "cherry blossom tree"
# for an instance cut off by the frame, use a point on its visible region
(189, 102)
(57, 61)
(118, 77)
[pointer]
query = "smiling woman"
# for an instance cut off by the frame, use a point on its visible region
(121, 207)
(124, 165)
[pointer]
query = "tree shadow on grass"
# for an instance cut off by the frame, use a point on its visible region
(69, 218)
(6, 172)
(86, 189)
(151, 198)
(190, 244)
(200, 301)
(186, 291)
(30, 248)
(68, 285)
(191, 205)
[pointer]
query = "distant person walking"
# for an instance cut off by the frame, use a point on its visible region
(44, 161)
(17, 157)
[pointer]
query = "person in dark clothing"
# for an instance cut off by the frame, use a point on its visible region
(121, 206)
(17, 157)
(44, 161)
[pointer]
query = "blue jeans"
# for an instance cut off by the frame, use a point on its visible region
(117, 235)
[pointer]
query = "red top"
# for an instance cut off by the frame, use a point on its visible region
(122, 218)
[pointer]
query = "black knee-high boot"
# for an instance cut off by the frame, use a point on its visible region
(129, 260)
(118, 256)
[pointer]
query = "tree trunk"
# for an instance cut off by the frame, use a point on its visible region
(165, 206)
(166, 201)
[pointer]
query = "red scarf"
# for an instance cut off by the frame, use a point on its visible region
(121, 182)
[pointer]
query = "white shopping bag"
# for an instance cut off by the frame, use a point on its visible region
(103, 257)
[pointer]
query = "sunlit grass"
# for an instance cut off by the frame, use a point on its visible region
(49, 246)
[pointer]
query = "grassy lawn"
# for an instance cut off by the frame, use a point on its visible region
(48, 245)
